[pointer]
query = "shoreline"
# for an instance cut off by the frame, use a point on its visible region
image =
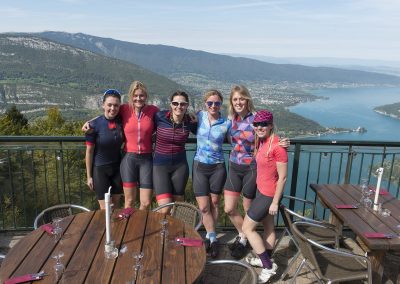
(387, 114)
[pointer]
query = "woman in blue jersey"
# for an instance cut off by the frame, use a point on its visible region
(103, 150)
(209, 172)
(170, 167)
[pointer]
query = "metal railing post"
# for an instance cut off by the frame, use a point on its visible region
(348, 165)
(295, 171)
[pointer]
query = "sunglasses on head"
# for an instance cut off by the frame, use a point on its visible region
(210, 104)
(179, 104)
(261, 123)
(111, 93)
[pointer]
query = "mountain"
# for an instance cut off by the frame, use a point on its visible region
(172, 61)
(36, 73)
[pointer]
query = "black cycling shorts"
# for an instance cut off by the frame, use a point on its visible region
(137, 170)
(259, 208)
(208, 178)
(104, 177)
(170, 180)
(242, 178)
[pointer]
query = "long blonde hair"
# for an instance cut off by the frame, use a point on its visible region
(136, 85)
(244, 92)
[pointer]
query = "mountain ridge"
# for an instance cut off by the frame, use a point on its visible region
(170, 61)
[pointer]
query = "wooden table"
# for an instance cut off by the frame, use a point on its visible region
(83, 245)
(362, 220)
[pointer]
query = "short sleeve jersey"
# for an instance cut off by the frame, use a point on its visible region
(138, 129)
(242, 140)
(267, 173)
(107, 137)
(210, 139)
(171, 138)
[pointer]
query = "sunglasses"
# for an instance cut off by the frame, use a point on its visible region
(183, 104)
(210, 104)
(262, 124)
(111, 92)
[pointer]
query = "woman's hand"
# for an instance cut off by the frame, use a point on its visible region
(90, 183)
(273, 209)
(284, 143)
(86, 127)
(193, 117)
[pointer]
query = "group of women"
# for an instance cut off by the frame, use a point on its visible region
(257, 162)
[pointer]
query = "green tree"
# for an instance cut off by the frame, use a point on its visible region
(13, 122)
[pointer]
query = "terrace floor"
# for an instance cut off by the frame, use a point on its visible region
(282, 256)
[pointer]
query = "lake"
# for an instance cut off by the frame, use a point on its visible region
(351, 108)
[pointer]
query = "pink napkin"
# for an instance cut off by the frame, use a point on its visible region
(188, 242)
(374, 235)
(125, 213)
(47, 228)
(346, 206)
(382, 191)
(23, 278)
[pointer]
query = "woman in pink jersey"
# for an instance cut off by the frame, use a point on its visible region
(271, 162)
(137, 164)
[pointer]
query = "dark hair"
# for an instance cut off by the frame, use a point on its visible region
(180, 93)
(111, 93)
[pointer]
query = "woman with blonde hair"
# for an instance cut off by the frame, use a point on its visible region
(137, 164)
(209, 172)
(271, 178)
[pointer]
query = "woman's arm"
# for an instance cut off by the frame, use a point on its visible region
(89, 164)
(86, 126)
(280, 186)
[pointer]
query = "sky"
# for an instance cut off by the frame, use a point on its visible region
(364, 29)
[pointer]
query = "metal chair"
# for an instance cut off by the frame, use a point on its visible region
(330, 265)
(186, 212)
(326, 234)
(227, 271)
(62, 210)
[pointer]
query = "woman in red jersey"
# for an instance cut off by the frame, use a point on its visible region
(271, 162)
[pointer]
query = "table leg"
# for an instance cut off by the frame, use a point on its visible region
(376, 258)
(336, 222)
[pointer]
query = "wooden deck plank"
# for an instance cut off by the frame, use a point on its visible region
(132, 239)
(82, 258)
(174, 256)
(195, 257)
(71, 239)
(152, 249)
(104, 267)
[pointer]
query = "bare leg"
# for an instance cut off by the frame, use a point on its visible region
(269, 232)
(145, 198)
(163, 201)
(208, 219)
(214, 206)
(232, 211)
(130, 197)
(249, 228)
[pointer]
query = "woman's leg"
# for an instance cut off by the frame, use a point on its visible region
(269, 232)
(208, 219)
(231, 201)
(249, 228)
(129, 196)
(146, 195)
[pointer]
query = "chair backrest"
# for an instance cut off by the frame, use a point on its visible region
(228, 271)
(304, 245)
(186, 212)
(61, 210)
